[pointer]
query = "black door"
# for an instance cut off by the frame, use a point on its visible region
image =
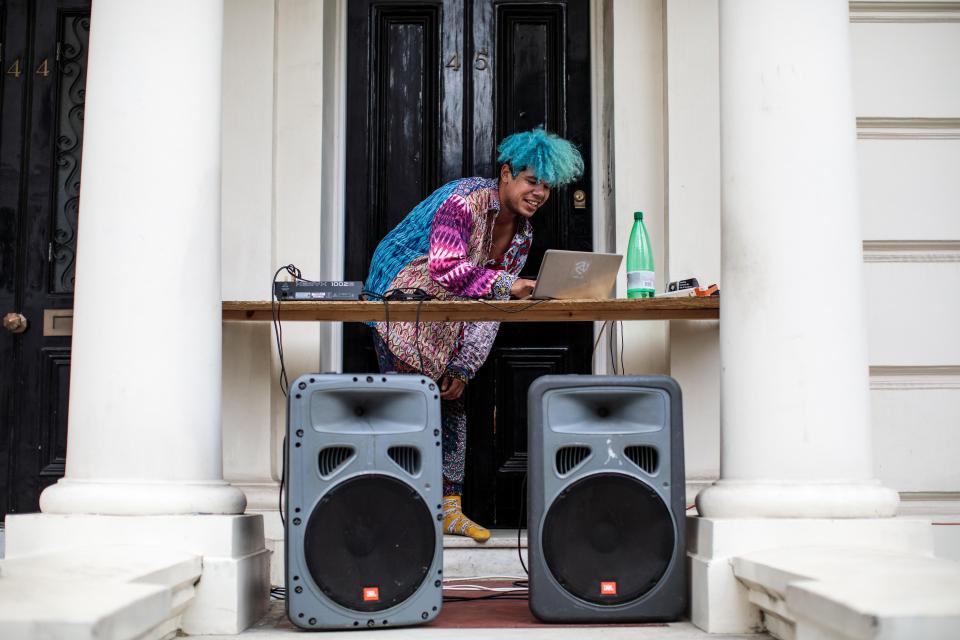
(432, 87)
(41, 104)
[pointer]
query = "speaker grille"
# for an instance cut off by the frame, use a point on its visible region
(608, 529)
(644, 456)
(408, 458)
(371, 531)
(332, 458)
(569, 458)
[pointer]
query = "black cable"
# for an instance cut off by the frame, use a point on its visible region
(402, 293)
(523, 494)
(503, 310)
(623, 369)
(416, 336)
(278, 327)
(493, 596)
(421, 296)
(278, 593)
(291, 269)
(283, 472)
(284, 381)
(611, 348)
(386, 315)
(593, 354)
(498, 596)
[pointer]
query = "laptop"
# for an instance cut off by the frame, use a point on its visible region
(576, 274)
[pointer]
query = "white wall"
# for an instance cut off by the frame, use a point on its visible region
(247, 248)
(907, 90)
(639, 176)
(693, 217)
(282, 191)
(282, 198)
(907, 93)
(277, 186)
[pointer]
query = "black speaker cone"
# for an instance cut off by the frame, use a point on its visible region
(372, 532)
(608, 538)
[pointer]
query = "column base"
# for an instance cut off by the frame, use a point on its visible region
(70, 496)
(234, 588)
(748, 499)
(721, 603)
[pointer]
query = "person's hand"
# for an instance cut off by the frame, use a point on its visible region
(522, 287)
(451, 388)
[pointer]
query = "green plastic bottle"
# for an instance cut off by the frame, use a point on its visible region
(639, 261)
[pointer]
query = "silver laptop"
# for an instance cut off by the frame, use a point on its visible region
(577, 274)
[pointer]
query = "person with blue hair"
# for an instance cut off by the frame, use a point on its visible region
(468, 239)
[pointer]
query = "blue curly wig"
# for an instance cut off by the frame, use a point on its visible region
(549, 157)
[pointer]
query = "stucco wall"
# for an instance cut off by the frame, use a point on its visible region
(657, 150)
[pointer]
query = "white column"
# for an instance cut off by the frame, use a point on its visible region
(144, 425)
(794, 393)
(795, 454)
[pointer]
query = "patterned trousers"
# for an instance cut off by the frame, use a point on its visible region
(453, 416)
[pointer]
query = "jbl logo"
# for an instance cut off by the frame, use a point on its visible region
(608, 588)
(371, 594)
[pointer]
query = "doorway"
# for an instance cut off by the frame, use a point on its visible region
(42, 84)
(432, 87)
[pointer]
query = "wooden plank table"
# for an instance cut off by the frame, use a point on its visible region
(502, 310)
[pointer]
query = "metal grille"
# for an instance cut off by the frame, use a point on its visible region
(569, 458)
(644, 456)
(608, 527)
(332, 458)
(369, 531)
(408, 458)
(72, 80)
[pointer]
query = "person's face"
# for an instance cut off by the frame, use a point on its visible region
(521, 195)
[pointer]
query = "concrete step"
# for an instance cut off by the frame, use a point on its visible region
(106, 593)
(498, 556)
(462, 557)
(853, 594)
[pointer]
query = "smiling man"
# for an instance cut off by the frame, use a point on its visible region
(469, 239)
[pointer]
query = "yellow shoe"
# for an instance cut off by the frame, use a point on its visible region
(454, 522)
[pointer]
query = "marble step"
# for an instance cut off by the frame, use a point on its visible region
(853, 593)
(464, 558)
(96, 593)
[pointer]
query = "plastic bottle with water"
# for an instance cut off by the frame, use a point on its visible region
(640, 283)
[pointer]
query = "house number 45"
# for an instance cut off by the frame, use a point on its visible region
(481, 61)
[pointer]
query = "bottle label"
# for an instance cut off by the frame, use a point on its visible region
(640, 280)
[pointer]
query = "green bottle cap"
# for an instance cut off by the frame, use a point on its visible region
(638, 215)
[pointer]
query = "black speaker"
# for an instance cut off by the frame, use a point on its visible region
(606, 495)
(364, 542)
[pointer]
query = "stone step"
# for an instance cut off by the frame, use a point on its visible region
(103, 593)
(853, 594)
(233, 592)
(464, 558)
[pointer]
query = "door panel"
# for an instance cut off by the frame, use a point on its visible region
(40, 158)
(393, 132)
(497, 68)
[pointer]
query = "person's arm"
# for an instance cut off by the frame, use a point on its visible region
(448, 261)
(473, 349)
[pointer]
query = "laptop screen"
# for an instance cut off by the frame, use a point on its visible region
(577, 274)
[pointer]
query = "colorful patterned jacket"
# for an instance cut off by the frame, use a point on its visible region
(442, 247)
